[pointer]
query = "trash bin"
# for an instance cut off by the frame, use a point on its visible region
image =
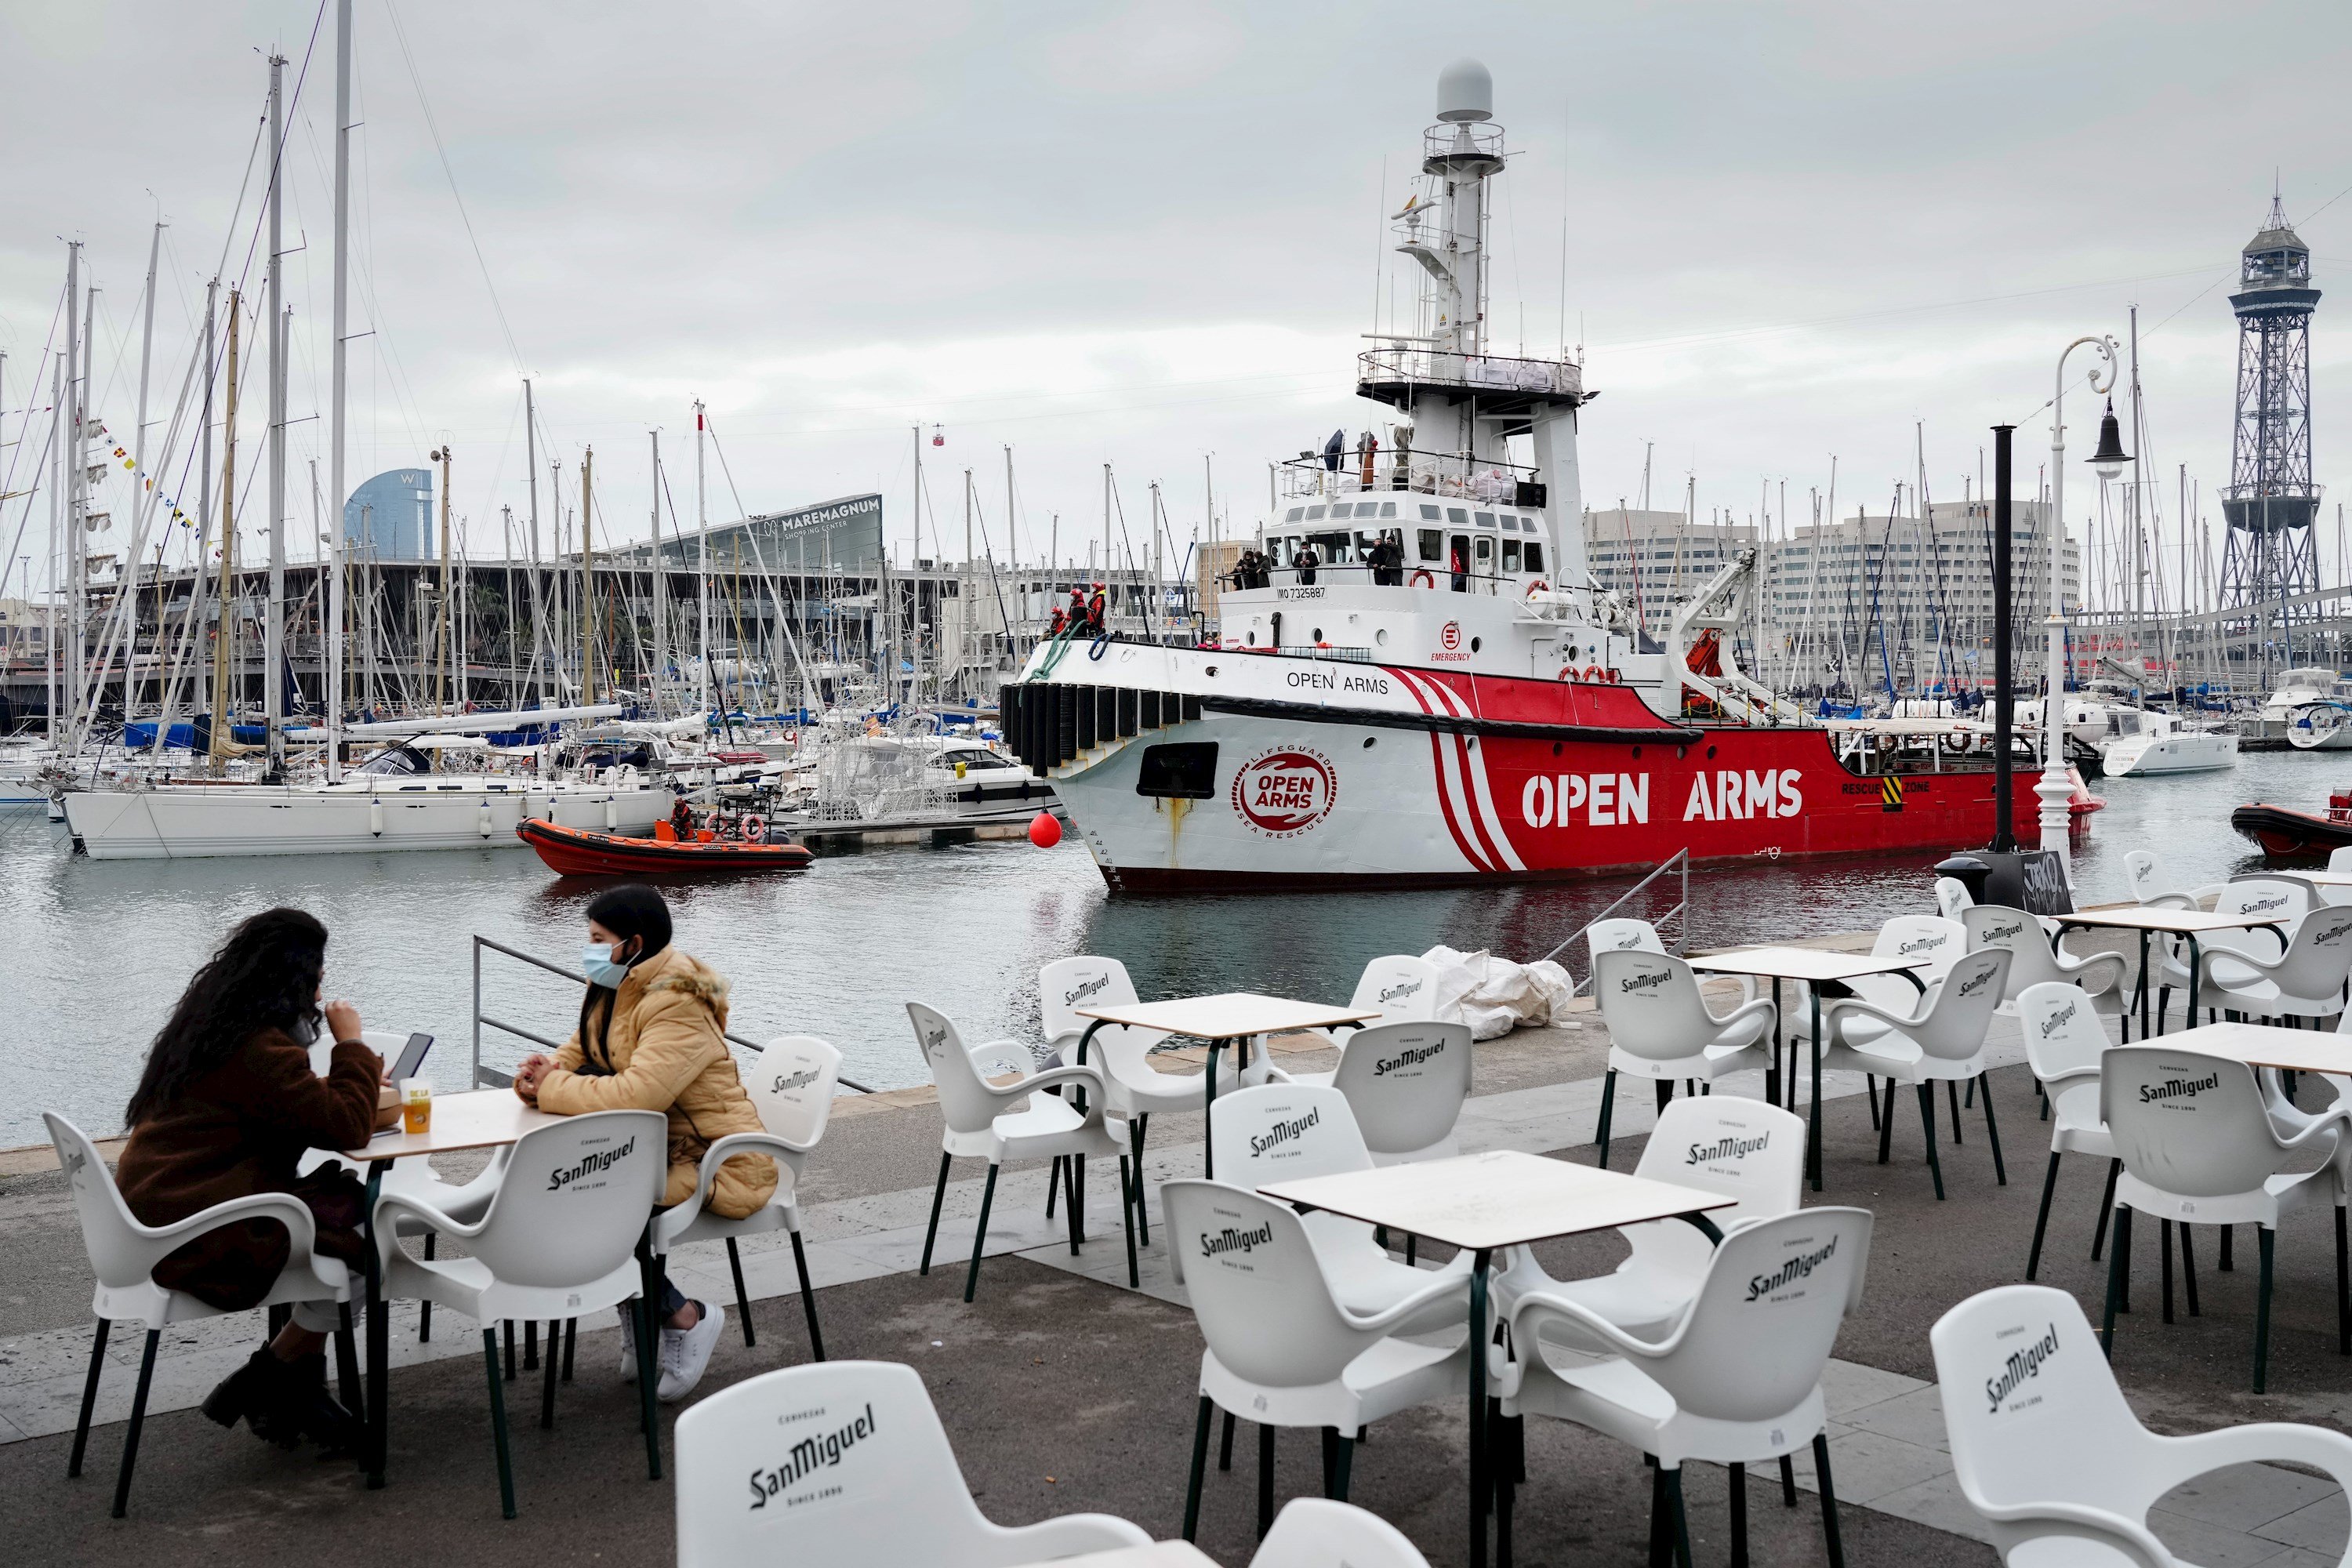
(1971, 871)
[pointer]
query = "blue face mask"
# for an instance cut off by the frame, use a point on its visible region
(596, 961)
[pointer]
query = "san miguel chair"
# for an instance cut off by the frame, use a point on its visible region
(2034, 961)
(2199, 1124)
(1316, 1532)
(997, 1123)
(2154, 887)
(1406, 1084)
(1739, 1148)
(792, 1088)
(1133, 1089)
(1660, 1028)
(845, 1466)
(1623, 933)
(2050, 1458)
(2306, 981)
(1282, 1350)
(123, 1254)
(2065, 1043)
(1737, 1381)
(565, 1240)
(1942, 1039)
(2229, 958)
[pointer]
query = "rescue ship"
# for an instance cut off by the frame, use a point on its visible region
(1423, 685)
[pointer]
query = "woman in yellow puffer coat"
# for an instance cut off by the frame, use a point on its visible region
(651, 1038)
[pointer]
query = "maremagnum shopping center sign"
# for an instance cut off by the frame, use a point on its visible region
(843, 535)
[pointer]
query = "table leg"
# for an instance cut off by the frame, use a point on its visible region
(379, 1339)
(2145, 988)
(1208, 1113)
(1479, 1480)
(1772, 1073)
(2196, 977)
(1813, 1117)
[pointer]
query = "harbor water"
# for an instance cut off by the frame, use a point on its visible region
(98, 951)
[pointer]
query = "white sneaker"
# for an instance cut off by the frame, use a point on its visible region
(686, 1352)
(628, 1345)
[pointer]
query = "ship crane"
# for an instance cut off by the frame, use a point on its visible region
(1721, 606)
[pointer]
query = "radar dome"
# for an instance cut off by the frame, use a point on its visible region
(1465, 91)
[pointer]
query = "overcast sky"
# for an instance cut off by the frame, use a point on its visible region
(1141, 235)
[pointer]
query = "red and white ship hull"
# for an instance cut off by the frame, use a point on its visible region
(1431, 776)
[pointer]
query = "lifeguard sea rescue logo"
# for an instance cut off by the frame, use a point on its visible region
(1283, 793)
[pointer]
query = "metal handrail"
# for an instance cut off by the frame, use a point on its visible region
(1678, 915)
(498, 1080)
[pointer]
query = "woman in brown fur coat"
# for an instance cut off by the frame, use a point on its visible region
(651, 1038)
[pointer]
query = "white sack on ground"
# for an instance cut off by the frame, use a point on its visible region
(1494, 995)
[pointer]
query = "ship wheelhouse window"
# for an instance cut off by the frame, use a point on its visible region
(1313, 512)
(1335, 549)
(1531, 556)
(1510, 556)
(1509, 522)
(1483, 553)
(1388, 508)
(1428, 514)
(1459, 517)
(1294, 515)
(1430, 541)
(1484, 519)
(1181, 770)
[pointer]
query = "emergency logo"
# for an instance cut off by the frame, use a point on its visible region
(1283, 793)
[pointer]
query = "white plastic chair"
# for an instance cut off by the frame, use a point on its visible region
(1402, 985)
(2154, 887)
(2032, 961)
(2199, 1124)
(2048, 1455)
(1660, 1028)
(1316, 1532)
(1282, 1350)
(2065, 1042)
(1943, 1038)
(1406, 1083)
(565, 1242)
(1133, 1089)
(1952, 897)
(862, 1442)
(792, 1088)
(1286, 1133)
(2306, 981)
(123, 1254)
(1737, 1381)
(997, 1123)
(1624, 935)
(1725, 1143)
(2229, 957)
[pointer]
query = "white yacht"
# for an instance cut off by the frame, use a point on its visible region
(2321, 727)
(2142, 744)
(2286, 714)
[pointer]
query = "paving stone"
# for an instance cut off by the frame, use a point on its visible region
(1915, 1417)
(2322, 1526)
(2248, 1497)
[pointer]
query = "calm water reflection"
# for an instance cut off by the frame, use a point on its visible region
(98, 951)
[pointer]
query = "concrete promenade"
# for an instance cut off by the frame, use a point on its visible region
(1063, 1390)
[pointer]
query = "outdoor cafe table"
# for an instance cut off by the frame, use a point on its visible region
(1481, 1203)
(1818, 968)
(2268, 1046)
(1232, 1017)
(2148, 920)
(482, 1119)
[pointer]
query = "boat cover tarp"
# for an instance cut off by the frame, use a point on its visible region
(1494, 995)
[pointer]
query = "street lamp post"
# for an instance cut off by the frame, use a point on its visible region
(2054, 788)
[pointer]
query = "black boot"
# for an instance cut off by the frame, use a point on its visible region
(258, 1394)
(311, 1412)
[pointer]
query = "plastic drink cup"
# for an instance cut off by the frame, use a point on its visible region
(417, 1104)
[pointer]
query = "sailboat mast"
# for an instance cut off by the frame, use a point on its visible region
(531, 468)
(273, 641)
(661, 587)
(336, 593)
(76, 468)
(701, 566)
(223, 638)
(587, 578)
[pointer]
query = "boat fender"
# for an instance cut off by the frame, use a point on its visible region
(375, 817)
(612, 813)
(755, 828)
(1422, 579)
(482, 819)
(1095, 648)
(1537, 587)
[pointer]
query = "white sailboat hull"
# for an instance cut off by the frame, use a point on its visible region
(2182, 751)
(197, 821)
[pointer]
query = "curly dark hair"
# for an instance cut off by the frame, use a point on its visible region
(265, 975)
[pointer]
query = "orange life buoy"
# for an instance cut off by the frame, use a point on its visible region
(1612, 673)
(1537, 587)
(1568, 672)
(1422, 579)
(1594, 673)
(755, 828)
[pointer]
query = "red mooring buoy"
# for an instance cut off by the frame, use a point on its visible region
(1045, 830)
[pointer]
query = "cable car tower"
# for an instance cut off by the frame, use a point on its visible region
(2271, 557)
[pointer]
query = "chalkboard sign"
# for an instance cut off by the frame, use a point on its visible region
(2033, 880)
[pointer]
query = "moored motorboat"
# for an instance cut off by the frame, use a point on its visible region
(2287, 835)
(583, 852)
